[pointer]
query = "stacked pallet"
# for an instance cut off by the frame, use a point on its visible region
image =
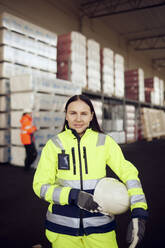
(134, 84)
(153, 122)
(119, 75)
(93, 66)
(107, 71)
(71, 58)
(5, 121)
(98, 106)
(161, 92)
(154, 90)
(46, 99)
(113, 123)
(130, 123)
(24, 49)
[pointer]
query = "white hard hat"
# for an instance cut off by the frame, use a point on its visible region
(27, 110)
(112, 196)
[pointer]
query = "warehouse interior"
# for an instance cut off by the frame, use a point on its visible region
(126, 86)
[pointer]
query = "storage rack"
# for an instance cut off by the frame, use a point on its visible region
(123, 101)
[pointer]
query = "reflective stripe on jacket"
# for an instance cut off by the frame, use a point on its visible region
(84, 165)
(27, 130)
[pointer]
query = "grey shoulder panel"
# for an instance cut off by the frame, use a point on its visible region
(56, 140)
(101, 139)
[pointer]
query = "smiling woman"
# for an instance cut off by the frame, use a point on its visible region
(79, 116)
(71, 165)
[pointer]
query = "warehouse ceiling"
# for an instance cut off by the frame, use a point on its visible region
(140, 22)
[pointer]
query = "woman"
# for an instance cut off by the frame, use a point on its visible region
(70, 166)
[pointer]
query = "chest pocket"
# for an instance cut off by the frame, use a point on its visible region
(63, 161)
(63, 158)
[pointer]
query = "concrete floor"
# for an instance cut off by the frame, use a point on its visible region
(22, 214)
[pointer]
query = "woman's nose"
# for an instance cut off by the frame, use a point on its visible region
(78, 117)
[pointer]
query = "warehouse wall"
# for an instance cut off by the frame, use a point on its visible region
(61, 17)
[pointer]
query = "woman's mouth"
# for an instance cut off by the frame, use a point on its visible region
(78, 126)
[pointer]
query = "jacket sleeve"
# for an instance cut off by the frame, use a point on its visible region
(127, 172)
(44, 182)
(31, 129)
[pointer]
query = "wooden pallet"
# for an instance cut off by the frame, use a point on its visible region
(153, 123)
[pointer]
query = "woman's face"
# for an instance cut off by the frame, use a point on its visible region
(79, 116)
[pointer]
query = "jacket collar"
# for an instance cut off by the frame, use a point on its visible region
(74, 134)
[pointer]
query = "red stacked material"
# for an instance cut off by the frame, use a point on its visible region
(134, 84)
(149, 87)
(149, 83)
(148, 94)
(71, 58)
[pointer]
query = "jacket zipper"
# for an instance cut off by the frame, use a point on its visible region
(81, 177)
(85, 159)
(74, 161)
(81, 186)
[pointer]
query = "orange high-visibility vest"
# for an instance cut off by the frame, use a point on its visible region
(27, 129)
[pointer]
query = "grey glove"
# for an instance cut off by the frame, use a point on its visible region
(135, 231)
(86, 202)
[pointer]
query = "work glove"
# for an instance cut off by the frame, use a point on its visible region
(86, 202)
(83, 200)
(135, 231)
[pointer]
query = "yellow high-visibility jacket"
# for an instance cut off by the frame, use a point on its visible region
(68, 162)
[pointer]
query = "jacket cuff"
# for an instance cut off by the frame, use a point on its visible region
(139, 213)
(73, 196)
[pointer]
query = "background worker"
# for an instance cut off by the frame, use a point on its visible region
(71, 165)
(27, 138)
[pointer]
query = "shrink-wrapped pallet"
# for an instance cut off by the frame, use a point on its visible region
(4, 103)
(17, 155)
(43, 135)
(98, 106)
(93, 65)
(15, 117)
(161, 92)
(5, 120)
(4, 87)
(118, 136)
(154, 91)
(24, 58)
(153, 123)
(71, 58)
(134, 84)
(48, 119)
(34, 100)
(107, 71)
(4, 154)
(107, 125)
(34, 82)
(118, 75)
(59, 118)
(15, 136)
(117, 125)
(130, 123)
(4, 137)
(19, 25)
